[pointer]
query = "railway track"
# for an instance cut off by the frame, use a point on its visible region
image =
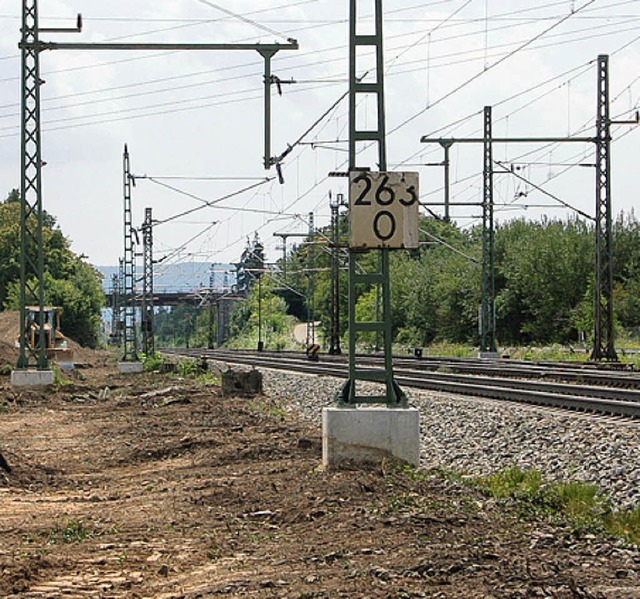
(562, 386)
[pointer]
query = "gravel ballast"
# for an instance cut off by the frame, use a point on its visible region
(474, 436)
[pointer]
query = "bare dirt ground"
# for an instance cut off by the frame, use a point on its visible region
(152, 486)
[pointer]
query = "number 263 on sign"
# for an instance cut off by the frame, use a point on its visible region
(383, 210)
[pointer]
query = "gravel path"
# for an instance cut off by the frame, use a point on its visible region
(477, 436)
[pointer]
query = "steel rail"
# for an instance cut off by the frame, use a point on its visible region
(557, 371)
(606, 400)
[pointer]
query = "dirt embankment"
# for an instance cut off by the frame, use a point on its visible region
(152, 486)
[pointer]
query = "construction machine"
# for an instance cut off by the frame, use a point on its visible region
(56, 345)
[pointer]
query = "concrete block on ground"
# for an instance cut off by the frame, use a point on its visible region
(241, 382)
(489, 355)
(32, 378)
(130, 367)
(370, 435)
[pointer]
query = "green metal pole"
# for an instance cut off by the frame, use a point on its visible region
(31, 214)
(488, 322)
(211, 306)
(267, 55)
(393, 396)
(311, 333)
(603, 335)
(130, 345)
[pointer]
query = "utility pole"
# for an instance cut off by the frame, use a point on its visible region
(31, 217)
(222, 305)
(148, 338)
(446, 146)
(393, 396)
(334, 337)
(121, 300)
(284, 237)
(115, 307)
(604, 332)
(488, 347)
(383, 215)
(210, 306)
(603, 348)
(260, 342)
(129, 334)
(31, 212)
(311, 325)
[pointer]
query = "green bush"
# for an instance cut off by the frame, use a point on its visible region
(152, 361)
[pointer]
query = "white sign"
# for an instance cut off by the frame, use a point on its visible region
(383, 210)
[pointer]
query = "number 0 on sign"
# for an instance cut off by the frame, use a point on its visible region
(383, 209)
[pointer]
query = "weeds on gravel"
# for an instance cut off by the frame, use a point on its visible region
(188, 367)
(578, 504)
(513, 482)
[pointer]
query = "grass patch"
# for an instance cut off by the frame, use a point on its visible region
(186, 368)
(264, 407)
(71, 530)
(625, 524)
(58, 379)
(580, 502)
(68, 531)
(192, 368)
(152, 362)
(209, 379)
(512, 482)
(453, 350)
(577, 504)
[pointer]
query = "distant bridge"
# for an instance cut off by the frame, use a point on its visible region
(195, 297)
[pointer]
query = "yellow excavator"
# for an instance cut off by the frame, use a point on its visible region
(56, 345)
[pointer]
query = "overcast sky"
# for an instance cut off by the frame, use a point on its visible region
(194, 120)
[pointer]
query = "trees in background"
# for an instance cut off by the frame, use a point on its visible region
(70, 282)
(544, 274)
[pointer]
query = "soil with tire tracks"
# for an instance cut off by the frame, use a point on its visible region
(154, 486)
